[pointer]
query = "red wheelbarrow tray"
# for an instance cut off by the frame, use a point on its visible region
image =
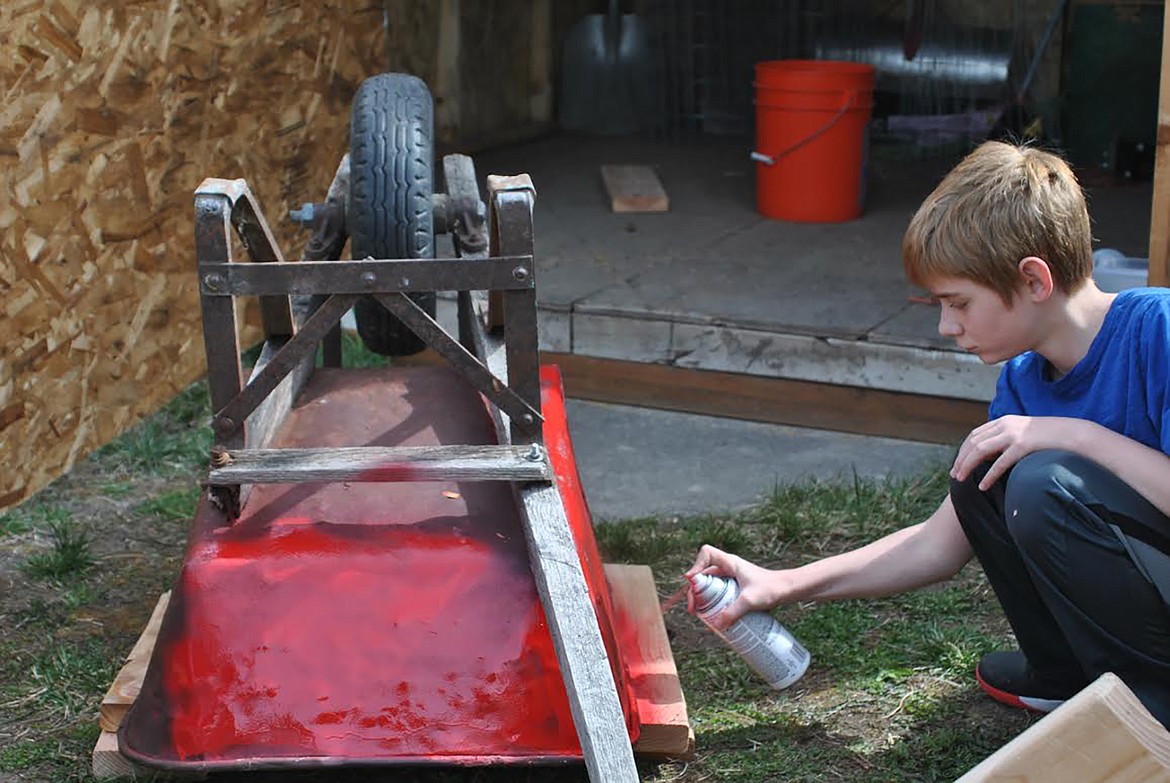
(372, 623)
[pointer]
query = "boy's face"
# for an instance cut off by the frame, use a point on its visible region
(977, 319)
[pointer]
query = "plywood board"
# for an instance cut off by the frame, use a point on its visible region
(114, 112)
(1101, 734)
(634, 189)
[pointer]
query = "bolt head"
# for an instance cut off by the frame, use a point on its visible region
(368, 277)
(520, 273)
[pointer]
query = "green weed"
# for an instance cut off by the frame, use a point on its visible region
(190, 407)
(68, 557)
(730, 535)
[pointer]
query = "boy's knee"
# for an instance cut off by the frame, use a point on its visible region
(966, 493)
(1038, 492)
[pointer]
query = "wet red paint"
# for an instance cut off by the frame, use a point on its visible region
(316, 641)
(369, 623)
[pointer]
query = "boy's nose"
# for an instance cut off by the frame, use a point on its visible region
(946, 326)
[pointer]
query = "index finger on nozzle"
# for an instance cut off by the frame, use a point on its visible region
(704, 562)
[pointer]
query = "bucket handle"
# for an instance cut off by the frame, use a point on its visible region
(770, 160)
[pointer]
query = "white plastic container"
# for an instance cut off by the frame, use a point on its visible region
(758, 637)
(1113, 271)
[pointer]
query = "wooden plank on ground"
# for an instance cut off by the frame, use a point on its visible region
(1101, 734)
(108, 763)
(634, 189)
(128, 683)
(666, 731)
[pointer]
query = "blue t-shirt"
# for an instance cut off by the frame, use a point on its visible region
(1122, 383)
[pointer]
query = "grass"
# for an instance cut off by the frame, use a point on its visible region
(890, 678)
(34, 514)
(889, 695)
(173, 442)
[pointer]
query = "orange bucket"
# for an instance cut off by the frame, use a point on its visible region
(811, 120)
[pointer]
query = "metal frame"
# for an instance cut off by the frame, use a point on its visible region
(302, 304)
(320, 290)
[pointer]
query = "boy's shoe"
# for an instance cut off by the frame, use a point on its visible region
(1007, 677)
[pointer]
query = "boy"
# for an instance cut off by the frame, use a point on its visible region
(1064, 494)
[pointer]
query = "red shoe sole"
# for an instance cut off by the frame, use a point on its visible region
(1028, 703)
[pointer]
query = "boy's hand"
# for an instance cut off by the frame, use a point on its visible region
(756, 590)
(1009, 439)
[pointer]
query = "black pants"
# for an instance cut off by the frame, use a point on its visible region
(1080, 563)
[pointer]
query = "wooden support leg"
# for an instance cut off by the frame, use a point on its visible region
(560, 581)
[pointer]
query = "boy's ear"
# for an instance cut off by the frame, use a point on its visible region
(1036, 278)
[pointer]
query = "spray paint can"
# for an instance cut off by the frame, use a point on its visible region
(758, 637)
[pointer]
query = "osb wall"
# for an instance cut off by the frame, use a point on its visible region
(113, 112)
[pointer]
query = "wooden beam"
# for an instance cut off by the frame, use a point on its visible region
(124, 690)
(665, 731)
(634, 189)
(1101, 734)
(376, 463)
(1159, 274)
(773, 400)
(107, 761)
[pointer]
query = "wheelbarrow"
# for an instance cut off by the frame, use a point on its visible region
(389, 565)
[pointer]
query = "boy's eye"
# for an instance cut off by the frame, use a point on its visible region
(956, 305)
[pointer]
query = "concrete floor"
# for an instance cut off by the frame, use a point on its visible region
(637, 462)
(712, 284)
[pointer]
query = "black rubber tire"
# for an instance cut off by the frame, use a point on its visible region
(391, 163)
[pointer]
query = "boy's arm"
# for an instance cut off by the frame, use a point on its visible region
(1009, 439)
(912, 557)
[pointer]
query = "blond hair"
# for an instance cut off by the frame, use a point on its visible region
(1001, 204)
